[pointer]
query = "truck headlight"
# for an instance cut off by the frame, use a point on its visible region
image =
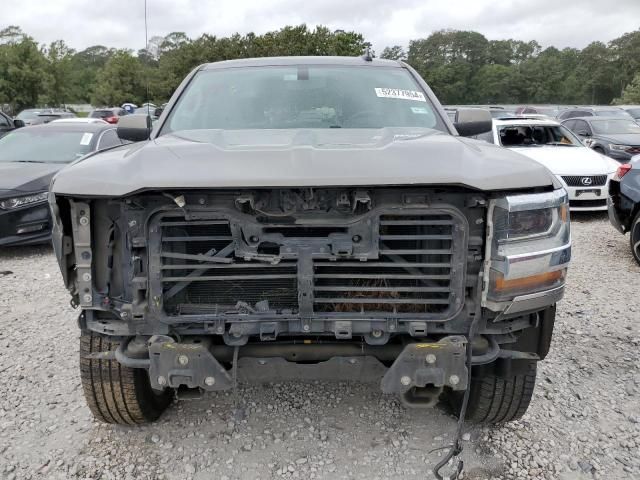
(17, 202)
(529, 245)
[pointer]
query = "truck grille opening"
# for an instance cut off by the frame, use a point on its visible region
(412, 275)
(419, 269)
(217, 287)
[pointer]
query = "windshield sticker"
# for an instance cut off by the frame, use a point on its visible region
(400, 94)
(420, 110)
(86, 139)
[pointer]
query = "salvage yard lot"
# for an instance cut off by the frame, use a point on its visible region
(584, 421)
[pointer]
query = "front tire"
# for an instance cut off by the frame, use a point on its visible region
(495, 399)
(114, 393)
(634, 237)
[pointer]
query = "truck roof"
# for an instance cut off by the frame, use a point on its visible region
(317, 60)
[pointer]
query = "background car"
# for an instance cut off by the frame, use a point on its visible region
(633, 110)
(624, 203)
(618, 138)
(28, 115)
(604, 111)
(8, 124)
(29, 157)
(584, 173)
(46, 117)
(547, 110)
(109, 115)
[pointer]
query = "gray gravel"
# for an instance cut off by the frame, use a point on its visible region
(584, 422)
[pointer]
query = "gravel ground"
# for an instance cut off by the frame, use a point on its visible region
(584, 422)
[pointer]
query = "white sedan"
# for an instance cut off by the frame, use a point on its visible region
(583, 172)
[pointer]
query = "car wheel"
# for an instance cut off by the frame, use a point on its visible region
(634, 237)
(117, 394)
(497, 399)
(599, 150)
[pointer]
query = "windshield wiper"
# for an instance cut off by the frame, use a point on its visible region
(27, 161)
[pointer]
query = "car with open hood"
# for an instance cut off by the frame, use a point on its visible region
(311, 217)
(583, 172)
(29, 157)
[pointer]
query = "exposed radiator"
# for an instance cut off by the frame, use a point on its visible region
(413, 273)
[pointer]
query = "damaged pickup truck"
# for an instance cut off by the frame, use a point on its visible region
(311, 218)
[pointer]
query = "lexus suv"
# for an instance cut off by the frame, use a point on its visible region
(310, 217)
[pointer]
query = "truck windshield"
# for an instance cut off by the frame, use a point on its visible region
(304, 96)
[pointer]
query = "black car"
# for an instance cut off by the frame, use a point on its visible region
(7, 124)
(29, 157)
(603, 111)
(618, 138)
(624, 203)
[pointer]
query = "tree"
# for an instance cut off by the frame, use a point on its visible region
(631, 93)
(394, 53)
(21, 72)
(120, 81)
(58, 80)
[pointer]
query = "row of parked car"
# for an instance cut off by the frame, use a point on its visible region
(593, 151)
(35, 145)
(39, 116)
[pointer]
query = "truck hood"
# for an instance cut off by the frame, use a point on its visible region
(570, 160)
(300, 158)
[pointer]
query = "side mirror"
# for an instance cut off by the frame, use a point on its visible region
(473, 121)
(18, 123)
(134, 128)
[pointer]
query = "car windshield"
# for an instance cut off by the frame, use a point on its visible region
(615, 112)
(634, 112)
(304, 96)
(615, 126)
(537, 136)
(28, 114)
(44, 146)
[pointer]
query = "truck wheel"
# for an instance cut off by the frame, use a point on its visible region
(634, 237)
(495, 399)
(117, 394)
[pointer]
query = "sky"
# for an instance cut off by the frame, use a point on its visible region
(120, 23)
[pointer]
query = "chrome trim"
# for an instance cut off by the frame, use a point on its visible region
(535, 301)
(533, 201)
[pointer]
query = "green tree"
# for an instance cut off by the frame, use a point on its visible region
(631, 93)
(21, 71)
(58, 80)
(394, 53)
(119, 81)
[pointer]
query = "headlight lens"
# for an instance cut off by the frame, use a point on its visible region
(619, 148)
(530, 245)
(17, 202)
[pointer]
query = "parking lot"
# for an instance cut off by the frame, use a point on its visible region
(584, 421)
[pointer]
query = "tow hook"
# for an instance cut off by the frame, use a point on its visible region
(422, 370)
